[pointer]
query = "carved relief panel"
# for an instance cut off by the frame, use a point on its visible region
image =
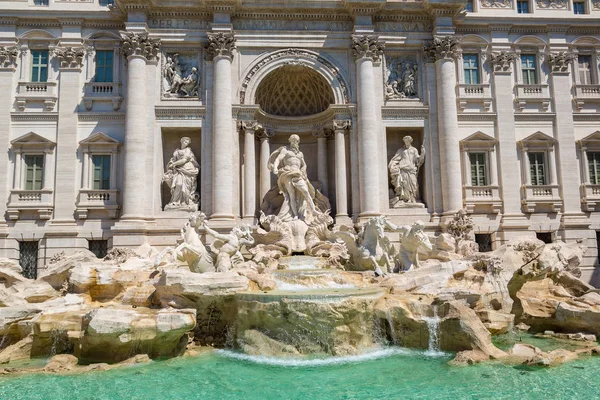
(180, 75)
(402, 77)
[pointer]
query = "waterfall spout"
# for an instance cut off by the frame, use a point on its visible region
(433, 325)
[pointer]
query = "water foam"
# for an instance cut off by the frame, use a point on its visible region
(317, 362)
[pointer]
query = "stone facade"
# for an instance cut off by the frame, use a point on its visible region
(98, 96)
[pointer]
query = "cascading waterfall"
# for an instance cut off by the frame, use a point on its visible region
(433, 325)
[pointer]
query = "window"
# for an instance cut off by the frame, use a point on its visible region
(28, 255)
(104, 66)
(585, 69)
(469, 6)
(529, 69)
(35, 172)
(523, 6)
(39, 66)
(594, 167)
(484, 240)
(579, 7)
(101, 165)
(545, 237)
(105, 3)
(537, 168)
(98, 247)
(478, 169)
(40, 2)
(471, 68)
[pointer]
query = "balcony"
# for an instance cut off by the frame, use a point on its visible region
(481, 95)
(38, 202)
(103, 201)
(102, 92)
(482, 198)
(540, 198)
(586, 94)
(590, 197)
(533, 94)
(36, 92)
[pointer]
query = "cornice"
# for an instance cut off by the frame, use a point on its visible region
(100, 116)
(595, 117)
(34, 116)
(477, 117)
(390, 113)
(180, 112)
(547, 117)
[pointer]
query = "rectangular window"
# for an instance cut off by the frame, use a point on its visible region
(469, 6)
(104, 66)
(101, 172)
(537, 168)
(478, 169)
(594, 167)
(484, 240)
(529, 69)
(471, 68)
(523, 6)
(39, 66)
(40, 2)
(98, 247)
(35, 172)
(585, 69)
(579, 7)
(28, 257)
(105, 3)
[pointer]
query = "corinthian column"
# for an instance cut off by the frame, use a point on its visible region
(444, 52)
(340, 127)
(322, 173)
(219, 50)
(367, 49)
(138, 48)
(265, 153)
(250, 128)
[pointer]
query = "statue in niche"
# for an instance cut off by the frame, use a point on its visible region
(227, 247)
(300, 199)
(402, 80)
(179, 79)
(181, 176)
(404, 169)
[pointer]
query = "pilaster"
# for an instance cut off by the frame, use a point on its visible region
(8, 67)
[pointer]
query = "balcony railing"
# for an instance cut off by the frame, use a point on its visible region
(540, 196)
(482, 197)
(533, 94)
(91, 200)
(480, 94)
(29, 92)
(36, 201)
(590, 197)
(586, 94)
(102, 92)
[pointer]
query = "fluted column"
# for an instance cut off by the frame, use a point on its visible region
(138, 48)
(8, 65)
(367, 49)
(265, 152)
(444, 51)
(340, 127)
(250, 128)
(219, 50)
(322, 163)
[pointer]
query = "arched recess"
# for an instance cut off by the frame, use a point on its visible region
(36, 34)
(272, 61)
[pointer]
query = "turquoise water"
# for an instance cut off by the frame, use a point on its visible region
(386, 374)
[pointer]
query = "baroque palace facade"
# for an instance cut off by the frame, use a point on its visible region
(499, 99)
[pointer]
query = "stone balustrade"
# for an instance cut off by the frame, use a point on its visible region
(40, 202)
(101, 201)
(534, 197)
(40, 92)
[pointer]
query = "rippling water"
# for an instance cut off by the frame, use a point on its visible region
(390, 373)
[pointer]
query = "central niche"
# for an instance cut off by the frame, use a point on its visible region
(294, 91)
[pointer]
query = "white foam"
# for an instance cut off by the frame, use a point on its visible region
(316, 362)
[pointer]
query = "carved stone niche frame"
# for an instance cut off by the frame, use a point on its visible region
(188, 59)
(397, 66)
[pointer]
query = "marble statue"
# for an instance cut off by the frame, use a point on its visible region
(181, 176)
(404, 169)
(176, 82)
(227, 247)
(190, 249)
(292, 181)
(410, 244)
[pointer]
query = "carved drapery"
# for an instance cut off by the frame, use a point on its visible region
(134, 44)
(559, 62)
(220, 44)
(502, 61)
(70, 57)
(446, 47)
(367, 46)
(553, 4)
(8, 56)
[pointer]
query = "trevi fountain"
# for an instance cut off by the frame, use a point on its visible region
(302, 308)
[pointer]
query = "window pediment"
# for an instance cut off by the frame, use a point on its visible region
(590, 141)
(32, 141)
(538, 140)
(478, 140)
(99, 141)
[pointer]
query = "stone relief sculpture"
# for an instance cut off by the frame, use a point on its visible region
(554, 4)
(404, 168)
(496, 3)
(402, 78)
(8, 56)
(227, 247)
(190, 249)
(181, 176)
(180, 77)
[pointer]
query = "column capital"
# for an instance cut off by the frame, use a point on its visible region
(219, 44)
(8, 57)
(323, 133)
(70, 57)
(139, 44)
(502, 61)
(250, 126)
(265, 133)
(559, 62)
(367, 46)
(443, 48)
(341, 124)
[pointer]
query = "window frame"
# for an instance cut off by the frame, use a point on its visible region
(529, 6)
(104, 66)
(24, 175)
(485, 158)
(103, 179)
(40, 66)
(544, 164)
(535, 68)
(583, 3)
(477, 57)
